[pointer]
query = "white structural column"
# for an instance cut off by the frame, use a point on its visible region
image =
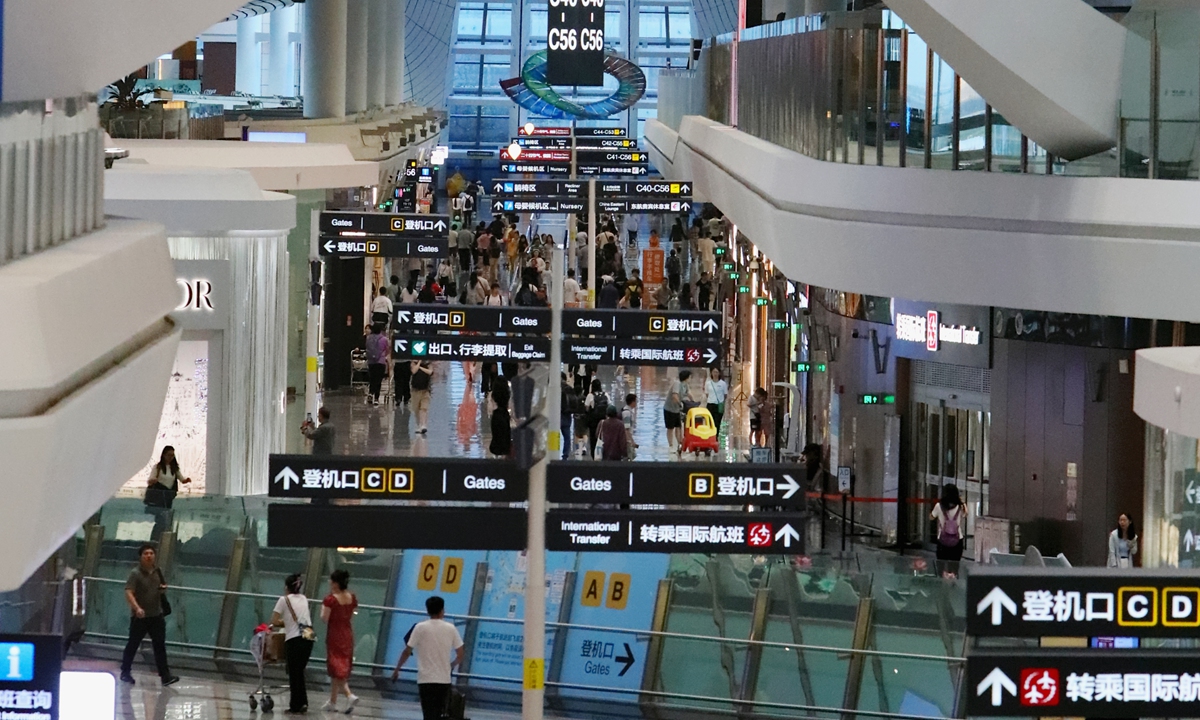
(248, 78)
(394, 90)
(324, 74)
(1064, 95)
(358, 23)
(377, 53)
(279, 69)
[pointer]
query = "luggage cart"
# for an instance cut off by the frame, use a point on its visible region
(266, 645)
(360, 376)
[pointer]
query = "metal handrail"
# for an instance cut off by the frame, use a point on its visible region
(602, 628)
(596, 688)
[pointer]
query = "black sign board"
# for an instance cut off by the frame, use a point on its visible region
(396, 527)
(734, 533)
(611, 156)
(396, 478)
(352, 234)
(564, 143)
(1096, 683)
(676, 483)
(643, 205)
(551, 205)
(536, 321)
(672, 353)
(31, 667)
(611, 169)
(1035, 602)
(542, 168)
(600, 132)
(564, 169)
(604, 189)
(575, 42)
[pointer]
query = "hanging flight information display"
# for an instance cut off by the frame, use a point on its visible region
(575, 43)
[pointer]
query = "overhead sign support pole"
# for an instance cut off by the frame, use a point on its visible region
(571, 225)
(592, 243)
(314, 313)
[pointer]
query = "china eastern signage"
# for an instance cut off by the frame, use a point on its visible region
(954, 334)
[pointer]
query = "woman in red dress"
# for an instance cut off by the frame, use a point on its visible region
(336, 610)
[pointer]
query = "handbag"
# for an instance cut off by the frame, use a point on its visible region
(306, 631)
(163, 602)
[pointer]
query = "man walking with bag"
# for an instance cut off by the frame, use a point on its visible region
(432, 641)
(144, 591)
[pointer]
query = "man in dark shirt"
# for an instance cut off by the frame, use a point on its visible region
(144, 591)
(323, 436)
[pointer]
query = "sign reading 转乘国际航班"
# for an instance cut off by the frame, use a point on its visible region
(402, 478)
(676, 483)
(1036, 602)
(731, 533)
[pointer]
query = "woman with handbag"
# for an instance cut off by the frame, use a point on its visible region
(164, 480)
(292, 614)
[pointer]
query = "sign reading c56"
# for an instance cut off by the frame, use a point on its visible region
(1037, 602)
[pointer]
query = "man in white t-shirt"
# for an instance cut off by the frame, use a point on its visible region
(432, 641)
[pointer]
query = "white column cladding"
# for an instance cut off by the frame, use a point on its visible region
(377, 53)
(358, 24)
(248, 75)
(324, 59)
(255, 352)
(394, 90)
(279, 71)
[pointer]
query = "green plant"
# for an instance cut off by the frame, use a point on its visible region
(125, 94)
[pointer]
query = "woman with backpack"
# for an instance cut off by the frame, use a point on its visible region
(951, 516)
(596, 408)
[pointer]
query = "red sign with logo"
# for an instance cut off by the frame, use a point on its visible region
(652, 265)
(758, 535)
(538, 155)
(1039, 686)
(545, 131)
(931, 330)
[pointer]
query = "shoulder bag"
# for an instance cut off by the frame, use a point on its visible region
(163, 602)
(306, 631)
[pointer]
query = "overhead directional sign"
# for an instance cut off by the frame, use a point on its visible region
(676, 483)
(538, 155)
(601, 132)
(564, 168)
(1035, 602)
(1107, 683)
(605, 189)
(387, 527)
(611, 156)
(674, 532)
(550, 205)
(673, 353)
(346, 234)
(395, 478)
(536, 321)
(643, 205)
(559, 143)
(611, 169)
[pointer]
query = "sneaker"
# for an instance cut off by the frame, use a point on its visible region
(127, 678)
(351, 704)
(170, 680)
(329, 706)
(423, 430)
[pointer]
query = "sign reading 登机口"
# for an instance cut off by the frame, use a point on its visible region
(384, 478)
(1036, 602)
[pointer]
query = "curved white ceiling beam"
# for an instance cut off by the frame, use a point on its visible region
(1103, 246)
(1166, 388)
(1050, 67)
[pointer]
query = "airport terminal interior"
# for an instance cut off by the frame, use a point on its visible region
(635, 359)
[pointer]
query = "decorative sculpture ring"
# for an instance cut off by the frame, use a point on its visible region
(532, 92)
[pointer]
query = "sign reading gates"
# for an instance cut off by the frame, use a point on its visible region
(676, 483)
(730, 533)
(30, 666)
(352, 234)
(385, 478)
(955, 334)
(1111, 684)
(1031, 602)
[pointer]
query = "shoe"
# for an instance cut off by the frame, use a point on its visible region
(423, 430)
(127, 678)
(301, 711)
(170, 680)
(329, 706)
(351, 704)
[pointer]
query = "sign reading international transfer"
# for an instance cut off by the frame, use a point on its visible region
(395, 478)
(685, 353)
(536, 321)
(674, 532)
(30, 666)
(389, 527)
(676, 483)
(1035, 602)
(352, 234)
(1110, 684)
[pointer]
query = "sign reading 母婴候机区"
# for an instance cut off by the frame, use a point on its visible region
(1093, 602)
(1109, 683)
(30, 666)
(954, 334)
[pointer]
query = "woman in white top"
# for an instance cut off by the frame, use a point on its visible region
(951, 516)
(291, 613)
(715, 390)
(1122, 543)
(164, 480)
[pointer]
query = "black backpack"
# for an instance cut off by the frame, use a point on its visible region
(599, 408)
(420, 380)
(570, 401)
